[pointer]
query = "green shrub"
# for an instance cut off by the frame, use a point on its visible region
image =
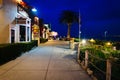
(95, 57)
(99, 58)
(76, 40)
(115, 65)
(99, 42)
(43, 40)
(117, 44)
(115, 71)
(11, 51)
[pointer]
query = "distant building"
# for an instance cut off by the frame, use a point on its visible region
(46, 31)
(53, 35)
(35, 32)
(15, 24)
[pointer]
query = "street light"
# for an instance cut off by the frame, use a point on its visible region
(83, 42)
(108, 44)
(92, 40)
(34, 9)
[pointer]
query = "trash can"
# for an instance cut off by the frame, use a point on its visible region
(71, 43)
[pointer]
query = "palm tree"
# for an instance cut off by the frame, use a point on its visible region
(68, 17)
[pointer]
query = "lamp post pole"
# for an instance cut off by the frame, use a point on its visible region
(78, 55)
(79, 29)
(105, 34)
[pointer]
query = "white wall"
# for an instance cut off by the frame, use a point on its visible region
(8, 12)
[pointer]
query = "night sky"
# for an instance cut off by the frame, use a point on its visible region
(97, 16)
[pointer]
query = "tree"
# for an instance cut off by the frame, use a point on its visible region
(68, 17)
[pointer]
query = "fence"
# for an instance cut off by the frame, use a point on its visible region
(102, 68)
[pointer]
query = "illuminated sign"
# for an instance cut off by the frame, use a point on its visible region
(35, 29)
(1, 1)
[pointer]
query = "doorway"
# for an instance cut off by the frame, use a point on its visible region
(12, 36)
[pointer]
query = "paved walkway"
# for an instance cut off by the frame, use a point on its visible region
(53, 62)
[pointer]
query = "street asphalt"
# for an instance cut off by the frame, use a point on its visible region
(49, 61)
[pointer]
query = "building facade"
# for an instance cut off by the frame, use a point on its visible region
(15, 25)
(46, 31)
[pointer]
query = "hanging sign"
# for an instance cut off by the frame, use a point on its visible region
(35, 30)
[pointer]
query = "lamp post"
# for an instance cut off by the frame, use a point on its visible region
(105, 34)
(79, 38)
(79, 29)
(34, 9)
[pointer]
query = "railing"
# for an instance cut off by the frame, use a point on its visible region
(102, 68)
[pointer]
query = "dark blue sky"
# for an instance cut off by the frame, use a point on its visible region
(97, 16)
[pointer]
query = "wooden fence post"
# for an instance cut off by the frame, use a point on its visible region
(86, 59)
(108, 70)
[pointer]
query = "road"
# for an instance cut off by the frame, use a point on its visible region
(50, 61)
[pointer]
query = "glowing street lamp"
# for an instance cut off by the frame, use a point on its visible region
(34, 9)
(83, 41)
(92, 40)
(108, 44)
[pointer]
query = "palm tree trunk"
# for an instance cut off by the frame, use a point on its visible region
(68, 33)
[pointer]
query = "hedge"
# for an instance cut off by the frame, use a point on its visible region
(43, 40)
(11, 51)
